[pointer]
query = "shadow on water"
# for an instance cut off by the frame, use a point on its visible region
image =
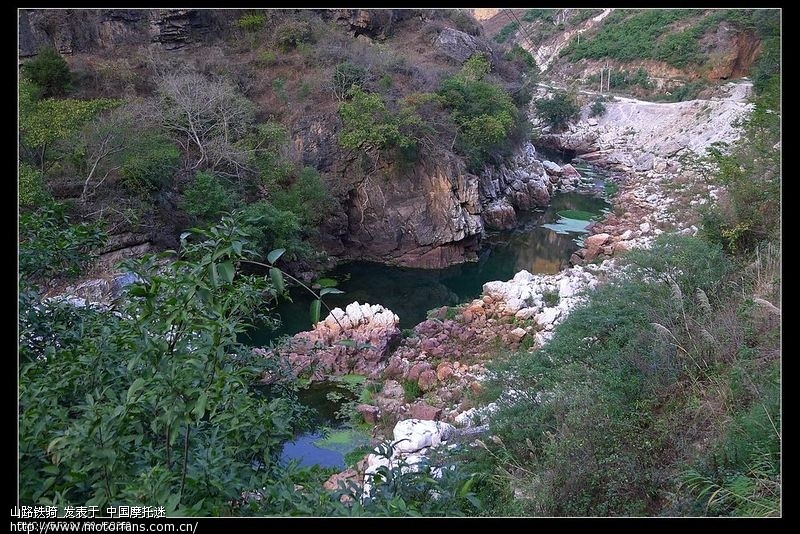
(542, 243)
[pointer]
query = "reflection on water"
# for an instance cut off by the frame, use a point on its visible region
(410, 293)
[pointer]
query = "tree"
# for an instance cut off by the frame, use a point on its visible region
(485, 114)
(44, 123)
(154, 404)
(558, 110)
(105, 140)
(49, 71)
(368, 125)
(207, 198)
(208, 118)
(345, 76)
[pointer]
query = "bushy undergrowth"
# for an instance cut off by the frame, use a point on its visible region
(609, 416)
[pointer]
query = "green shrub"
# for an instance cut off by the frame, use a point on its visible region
(411, 390)
(588, 432)
(266, 57)
(270, 228)
(517, 53)
(368, 124)
(385, 82)
(279, 88)
(150, 164)
(486, 115)
(627, 35)
(49, 71)
(251, 22)
(307, 197)
(550, 298)
(506, 32)
(50, 245)
(31, 186)
(292, 33)
(558, 110)
(598, 109)
(304, 90)
(206, 198)
(345, 76)
(539, 14)
(750, 171)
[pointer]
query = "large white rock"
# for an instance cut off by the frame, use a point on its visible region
(548, 316)
(411, 435)
(523, 277)
(566, 288)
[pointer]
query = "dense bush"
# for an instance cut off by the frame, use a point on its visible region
(598, 425)
(292, 33)
(558, 110)
(49, 244)
(517, 53)
(506, 32)
(368, 125)
(307, 197)
(206, 198)
(155, 405)
(49, 71)
(539, 14)
(486, 115)
(150, 165)
(251, 22)
(345, 76)
(31, 186)
(750, 170)
(45, 125)
(598, 109)
(271, 228)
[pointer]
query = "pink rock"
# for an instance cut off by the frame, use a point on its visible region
(424, 411)
(368, 412)
(417, 369)
(427, 380)
(444, 371)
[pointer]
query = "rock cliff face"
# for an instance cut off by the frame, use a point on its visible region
(427, 217)
(81, 30)
(435, 214)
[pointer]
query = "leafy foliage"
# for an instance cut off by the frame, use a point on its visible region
(750, 170)
(558, 110)
(293, 33)
(345, 76)
(151, 164)
(49, 244)
(517, 53)
(49, 71)
(31, 186)
(207, 198)
(634, 34)
(251, 22)
(167, 413)
(271, 228)
(368, 125)
(598, 109)
(539, 14)
(307, 197)
(485, 114)
(45, 123)
(506, 32)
